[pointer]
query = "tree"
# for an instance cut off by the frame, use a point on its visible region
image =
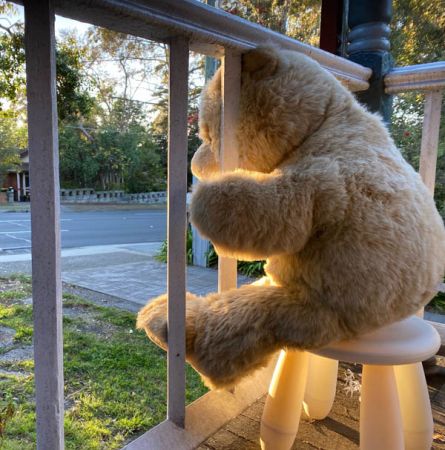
(299, 19)
(74, 101)
(78, 165)
(13, 138)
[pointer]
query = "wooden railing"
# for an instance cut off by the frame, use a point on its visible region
(429, 79)
(183, 25)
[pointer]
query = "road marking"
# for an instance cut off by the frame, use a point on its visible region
(29, 220)
(15, 232)
(19, 239)
(23, 231)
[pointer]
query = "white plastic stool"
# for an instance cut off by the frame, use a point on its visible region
(395, 410)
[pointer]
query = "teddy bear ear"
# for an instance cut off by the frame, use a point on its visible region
(260, 63)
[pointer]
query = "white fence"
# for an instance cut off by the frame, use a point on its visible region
(183, 25)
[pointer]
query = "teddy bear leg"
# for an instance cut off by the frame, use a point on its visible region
(231, 334)
(238, 330)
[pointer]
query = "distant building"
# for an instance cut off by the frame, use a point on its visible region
(18, 179)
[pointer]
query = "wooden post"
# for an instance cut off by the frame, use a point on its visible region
(45, 224)
(201, 246)
(176, 229)
(430, 138)
(230, 94)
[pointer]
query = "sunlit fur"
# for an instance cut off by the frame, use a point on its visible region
(352, 238)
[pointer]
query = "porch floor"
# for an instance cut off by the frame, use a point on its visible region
(339, 431)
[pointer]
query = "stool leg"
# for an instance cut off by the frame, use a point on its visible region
(282, 411)
(415, 406)
(320, 386)
(380, 417)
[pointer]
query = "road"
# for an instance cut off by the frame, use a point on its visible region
(87, 228)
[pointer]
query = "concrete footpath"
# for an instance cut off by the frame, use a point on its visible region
(129, 271)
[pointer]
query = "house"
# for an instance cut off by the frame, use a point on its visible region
(18, 179)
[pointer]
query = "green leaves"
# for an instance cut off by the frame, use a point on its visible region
(108, 157)
(12, 60)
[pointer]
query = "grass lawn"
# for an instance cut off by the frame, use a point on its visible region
(115, 379)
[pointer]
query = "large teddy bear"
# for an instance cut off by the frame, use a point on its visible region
(351, 235)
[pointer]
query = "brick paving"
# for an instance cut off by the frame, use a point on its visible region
(129, 272)
(339, 431)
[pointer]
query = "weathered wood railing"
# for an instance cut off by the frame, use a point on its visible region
(183, 25)
(429, 79)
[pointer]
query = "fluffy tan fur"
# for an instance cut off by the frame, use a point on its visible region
(352, 238)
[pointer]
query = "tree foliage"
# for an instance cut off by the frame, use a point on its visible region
(12, 59)
(299, 19)
(112, 136)
(73, 97)
(418, 37)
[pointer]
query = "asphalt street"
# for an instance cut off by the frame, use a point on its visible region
(87, 228)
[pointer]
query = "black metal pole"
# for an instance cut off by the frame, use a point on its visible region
(368, 22)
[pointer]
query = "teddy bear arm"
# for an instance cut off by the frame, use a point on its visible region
(252, 216)
(204, 164)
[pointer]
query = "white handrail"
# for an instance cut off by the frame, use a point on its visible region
(424, 77)
(208, 29)
(430, 79)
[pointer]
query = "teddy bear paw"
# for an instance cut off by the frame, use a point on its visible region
(153, 319)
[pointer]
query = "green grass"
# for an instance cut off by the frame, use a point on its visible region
(115, 379)
(438, 302)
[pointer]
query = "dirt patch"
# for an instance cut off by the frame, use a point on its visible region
(18, 354)
(88, 322)
(10, 285)
(12, 373)
(6, 337)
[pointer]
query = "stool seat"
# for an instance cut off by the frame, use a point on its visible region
(409, 341)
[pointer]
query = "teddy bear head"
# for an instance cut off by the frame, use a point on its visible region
(284, 98)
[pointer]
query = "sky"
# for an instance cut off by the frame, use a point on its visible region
(62, 23)
(140, 91)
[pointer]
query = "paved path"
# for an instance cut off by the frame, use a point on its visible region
(127, 271)
(339, 431)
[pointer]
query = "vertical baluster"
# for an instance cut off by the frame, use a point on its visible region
(45, 215)
(430, 138)
(230, 89)
(176, 231)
